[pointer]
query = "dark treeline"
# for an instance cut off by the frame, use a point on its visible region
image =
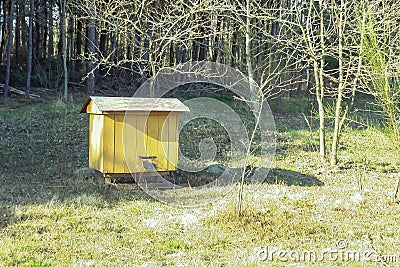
(124, 42)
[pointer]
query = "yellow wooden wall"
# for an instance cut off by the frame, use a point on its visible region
(96, 141)
(115, 146)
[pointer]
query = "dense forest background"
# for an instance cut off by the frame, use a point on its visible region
(277, 43)
(328, 49)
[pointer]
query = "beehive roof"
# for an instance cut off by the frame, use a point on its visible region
(102, 104)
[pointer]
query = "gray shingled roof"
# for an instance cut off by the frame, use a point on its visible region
(121, 104)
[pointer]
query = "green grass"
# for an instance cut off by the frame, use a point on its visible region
(50, 217)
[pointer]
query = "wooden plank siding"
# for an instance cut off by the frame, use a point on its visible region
(152, 138)
(129, 140)
(96, 142)
(119, 157)
(108, 141)
(172, 153)
(162, 163)
(141, 137)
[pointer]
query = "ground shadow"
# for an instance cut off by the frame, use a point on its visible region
(210, 176)
(288, 177)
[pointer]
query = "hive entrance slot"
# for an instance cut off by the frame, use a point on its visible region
(149, 163)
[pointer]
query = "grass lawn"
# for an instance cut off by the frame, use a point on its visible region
(306, 213)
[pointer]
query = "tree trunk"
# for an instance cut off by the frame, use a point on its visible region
(91, 54)
(204, 48)
(45, 26)
(113, 48)
(250, 71)
(181, 54)
(9, 48)
(337, 126)
(103, 43)
(30, 48)
(3, 30)
(171, 54)
(37, 36)
(70, 42)
(24, 32)
(64, 48)
(78, 52)
(235, 48)
(320, 90)
(221, 44)
(103, 50)
(195, 50)
(50, 46)
(18, 10)
(256, 107)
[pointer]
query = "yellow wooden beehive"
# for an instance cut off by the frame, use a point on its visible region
(126, 133)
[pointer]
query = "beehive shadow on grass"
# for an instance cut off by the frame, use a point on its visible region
(275, 176)
(291, 178)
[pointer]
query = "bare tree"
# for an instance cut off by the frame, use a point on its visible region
(341, 83)
(308, 23)
(347, 51)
